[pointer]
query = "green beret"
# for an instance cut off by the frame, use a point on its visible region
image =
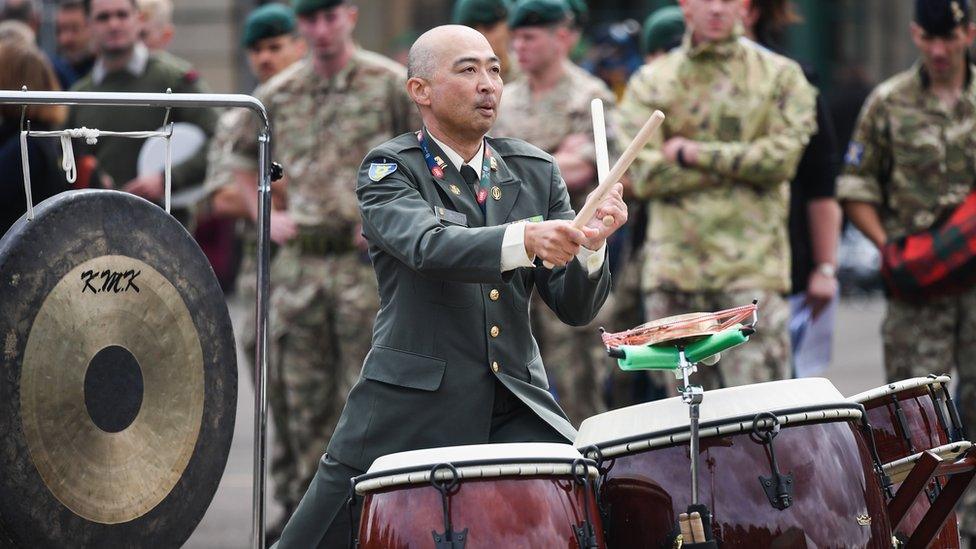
(581, 13)
(267, 21)
(535, 13)
(305, 7)
(479, 12)
(663, 30)
(941, 17)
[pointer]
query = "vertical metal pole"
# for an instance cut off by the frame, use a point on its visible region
(261, 339)
(693, 400)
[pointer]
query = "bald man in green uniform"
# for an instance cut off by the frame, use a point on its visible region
(453, 360)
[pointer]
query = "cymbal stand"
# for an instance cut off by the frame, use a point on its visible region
(692, 395)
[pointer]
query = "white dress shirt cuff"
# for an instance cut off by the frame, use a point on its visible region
(592, 260)
(513, 248)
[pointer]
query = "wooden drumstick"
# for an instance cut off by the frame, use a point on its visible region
(602, 151)
(686, 535)
(623, 163)
(697, 528)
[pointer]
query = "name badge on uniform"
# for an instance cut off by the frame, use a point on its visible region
(450, 216)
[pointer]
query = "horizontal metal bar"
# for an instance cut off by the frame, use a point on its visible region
(8, 97)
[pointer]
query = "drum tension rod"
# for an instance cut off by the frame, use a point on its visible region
(596, 454)
(960, 433)
(778, 487)
(883, 478)
(940, 413)
(351, 508)
(585, 533)
(903, 423)
(449, 539)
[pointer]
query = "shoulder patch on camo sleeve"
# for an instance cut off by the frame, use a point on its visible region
(855, 153)
(379, 170)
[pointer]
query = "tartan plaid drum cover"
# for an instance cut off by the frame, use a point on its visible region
(938, 262)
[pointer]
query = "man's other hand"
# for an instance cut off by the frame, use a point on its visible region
(612, 206)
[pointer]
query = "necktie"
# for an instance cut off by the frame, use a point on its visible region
(471, 178)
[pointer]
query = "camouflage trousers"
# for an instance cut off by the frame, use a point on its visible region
(246, 288)
(766, 357)
(934, 338)
(321, 316)
(575, 358)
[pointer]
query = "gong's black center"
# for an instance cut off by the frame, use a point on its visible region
(113, 389)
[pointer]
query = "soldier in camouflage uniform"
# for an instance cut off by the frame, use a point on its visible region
(549, 106)
(911, 161)
(662, 32)
(272, 44)
(490, 18)
(716, 177)
(327, 111)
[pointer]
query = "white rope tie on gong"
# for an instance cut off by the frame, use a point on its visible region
(25, 167)
(91, 136)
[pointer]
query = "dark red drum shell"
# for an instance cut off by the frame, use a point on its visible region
(833, 478)
(530, 512)
(925, 431)
(948, 537)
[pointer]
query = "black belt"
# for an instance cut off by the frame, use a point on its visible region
(318, 244)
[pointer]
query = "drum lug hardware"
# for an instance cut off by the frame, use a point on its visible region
(450, 539)
(959, 432)
(778, 487)
(903, 424)
(351, 509)
(585, 533)
(602, 467)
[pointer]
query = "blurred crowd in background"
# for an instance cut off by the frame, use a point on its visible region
(304, 57)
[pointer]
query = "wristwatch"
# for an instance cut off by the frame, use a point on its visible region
(827, 269)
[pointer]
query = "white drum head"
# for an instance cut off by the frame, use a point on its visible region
(898, 386)
(654, 419)
(472, 461)
(899, 469)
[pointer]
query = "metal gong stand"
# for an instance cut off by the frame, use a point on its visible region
(197, 100)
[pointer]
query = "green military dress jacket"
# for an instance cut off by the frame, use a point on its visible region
(450, 322)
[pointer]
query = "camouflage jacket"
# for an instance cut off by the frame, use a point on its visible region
(911, 154)
(322, 129)
(545, 121)
(219, 168)
(722, 225)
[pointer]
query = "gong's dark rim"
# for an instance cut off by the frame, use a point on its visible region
(34, 255)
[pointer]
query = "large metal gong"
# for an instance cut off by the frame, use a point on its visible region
(118, 376)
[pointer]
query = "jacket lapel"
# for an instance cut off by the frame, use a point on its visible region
(457, 191)
(508, 191)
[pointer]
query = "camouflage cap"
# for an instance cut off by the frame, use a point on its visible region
(305, 7)
(479, 12)
(940, 17)
(267, 21)
(663, 30)
(581, 12)
(534, 13)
